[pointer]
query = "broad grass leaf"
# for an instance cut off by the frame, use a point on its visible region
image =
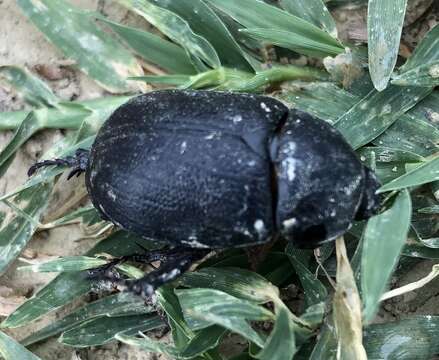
(424, 173)
(78, 37)
(66, 264)
(177, 29)
(255, 14)
(217, 307)
(383, 240)
(205, 22)
(11, 120)
(314, 290)
(30, 125)
(384, 26)
(154, 48)
(16, 231)
(376, 112)
(12, 350)
(203, 341)
(113, 305)
(280, 344)
(313, 11)
(147, 344)
(244, 284)
(422, 68)
(103, 330)
(33, 90)
(407, 339)
(296, 42)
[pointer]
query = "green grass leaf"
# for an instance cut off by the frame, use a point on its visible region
(313, 11)
(206, 23)
(244, 284)
(296, 42)
(113, 305)
(407, 339)
(154, 48)
(12, 350)
(384, 26)
(422, 68)
(376, 112)
(280, 344)
(384, 238)
(177, 29)
(266, 21)
(203, 341)
(17, 231)
(217, 307)
(425, 173)
(78, 37)
(66, 264)
(147, 344)
(103, 330)
(30, 87)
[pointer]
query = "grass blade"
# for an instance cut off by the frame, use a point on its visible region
(412, 338)
(12, 350)
(425, 173)
(383, 241)
(384, 26)
(16, 232)
(217, 307)
(276, 23)
(347, 309)
(113, 305)
(240, 283)
(204, 340)
(313, 11)
(280, 344)
(154, 48)
(103, 330)
(177, 29)
(205, 22)
(422, 68)
(66, 264)
(78, 37)
(31, 88)
(376, 112)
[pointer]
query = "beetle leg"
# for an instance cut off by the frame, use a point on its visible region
(174, 262)
(168, 271)
(77, 162)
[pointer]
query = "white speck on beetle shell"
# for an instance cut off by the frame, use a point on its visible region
(259, 226)
(251, 163)
(289, 164)
(265, 107)
(289, 223)
(183, 147)
(111, 194)
(194, 243)
(236, 119)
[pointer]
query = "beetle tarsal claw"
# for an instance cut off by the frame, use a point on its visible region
(78, 163)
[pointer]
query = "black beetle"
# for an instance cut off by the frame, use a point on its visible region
(203, 169)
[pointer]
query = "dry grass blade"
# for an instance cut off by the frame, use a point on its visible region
(347, 309)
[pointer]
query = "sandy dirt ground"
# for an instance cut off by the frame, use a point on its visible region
(22, 44)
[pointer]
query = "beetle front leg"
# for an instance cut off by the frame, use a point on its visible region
(173, 264)
(77, 162)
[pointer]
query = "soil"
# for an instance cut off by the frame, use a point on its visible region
(22, 44)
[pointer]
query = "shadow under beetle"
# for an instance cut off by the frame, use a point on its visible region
(201, 169)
